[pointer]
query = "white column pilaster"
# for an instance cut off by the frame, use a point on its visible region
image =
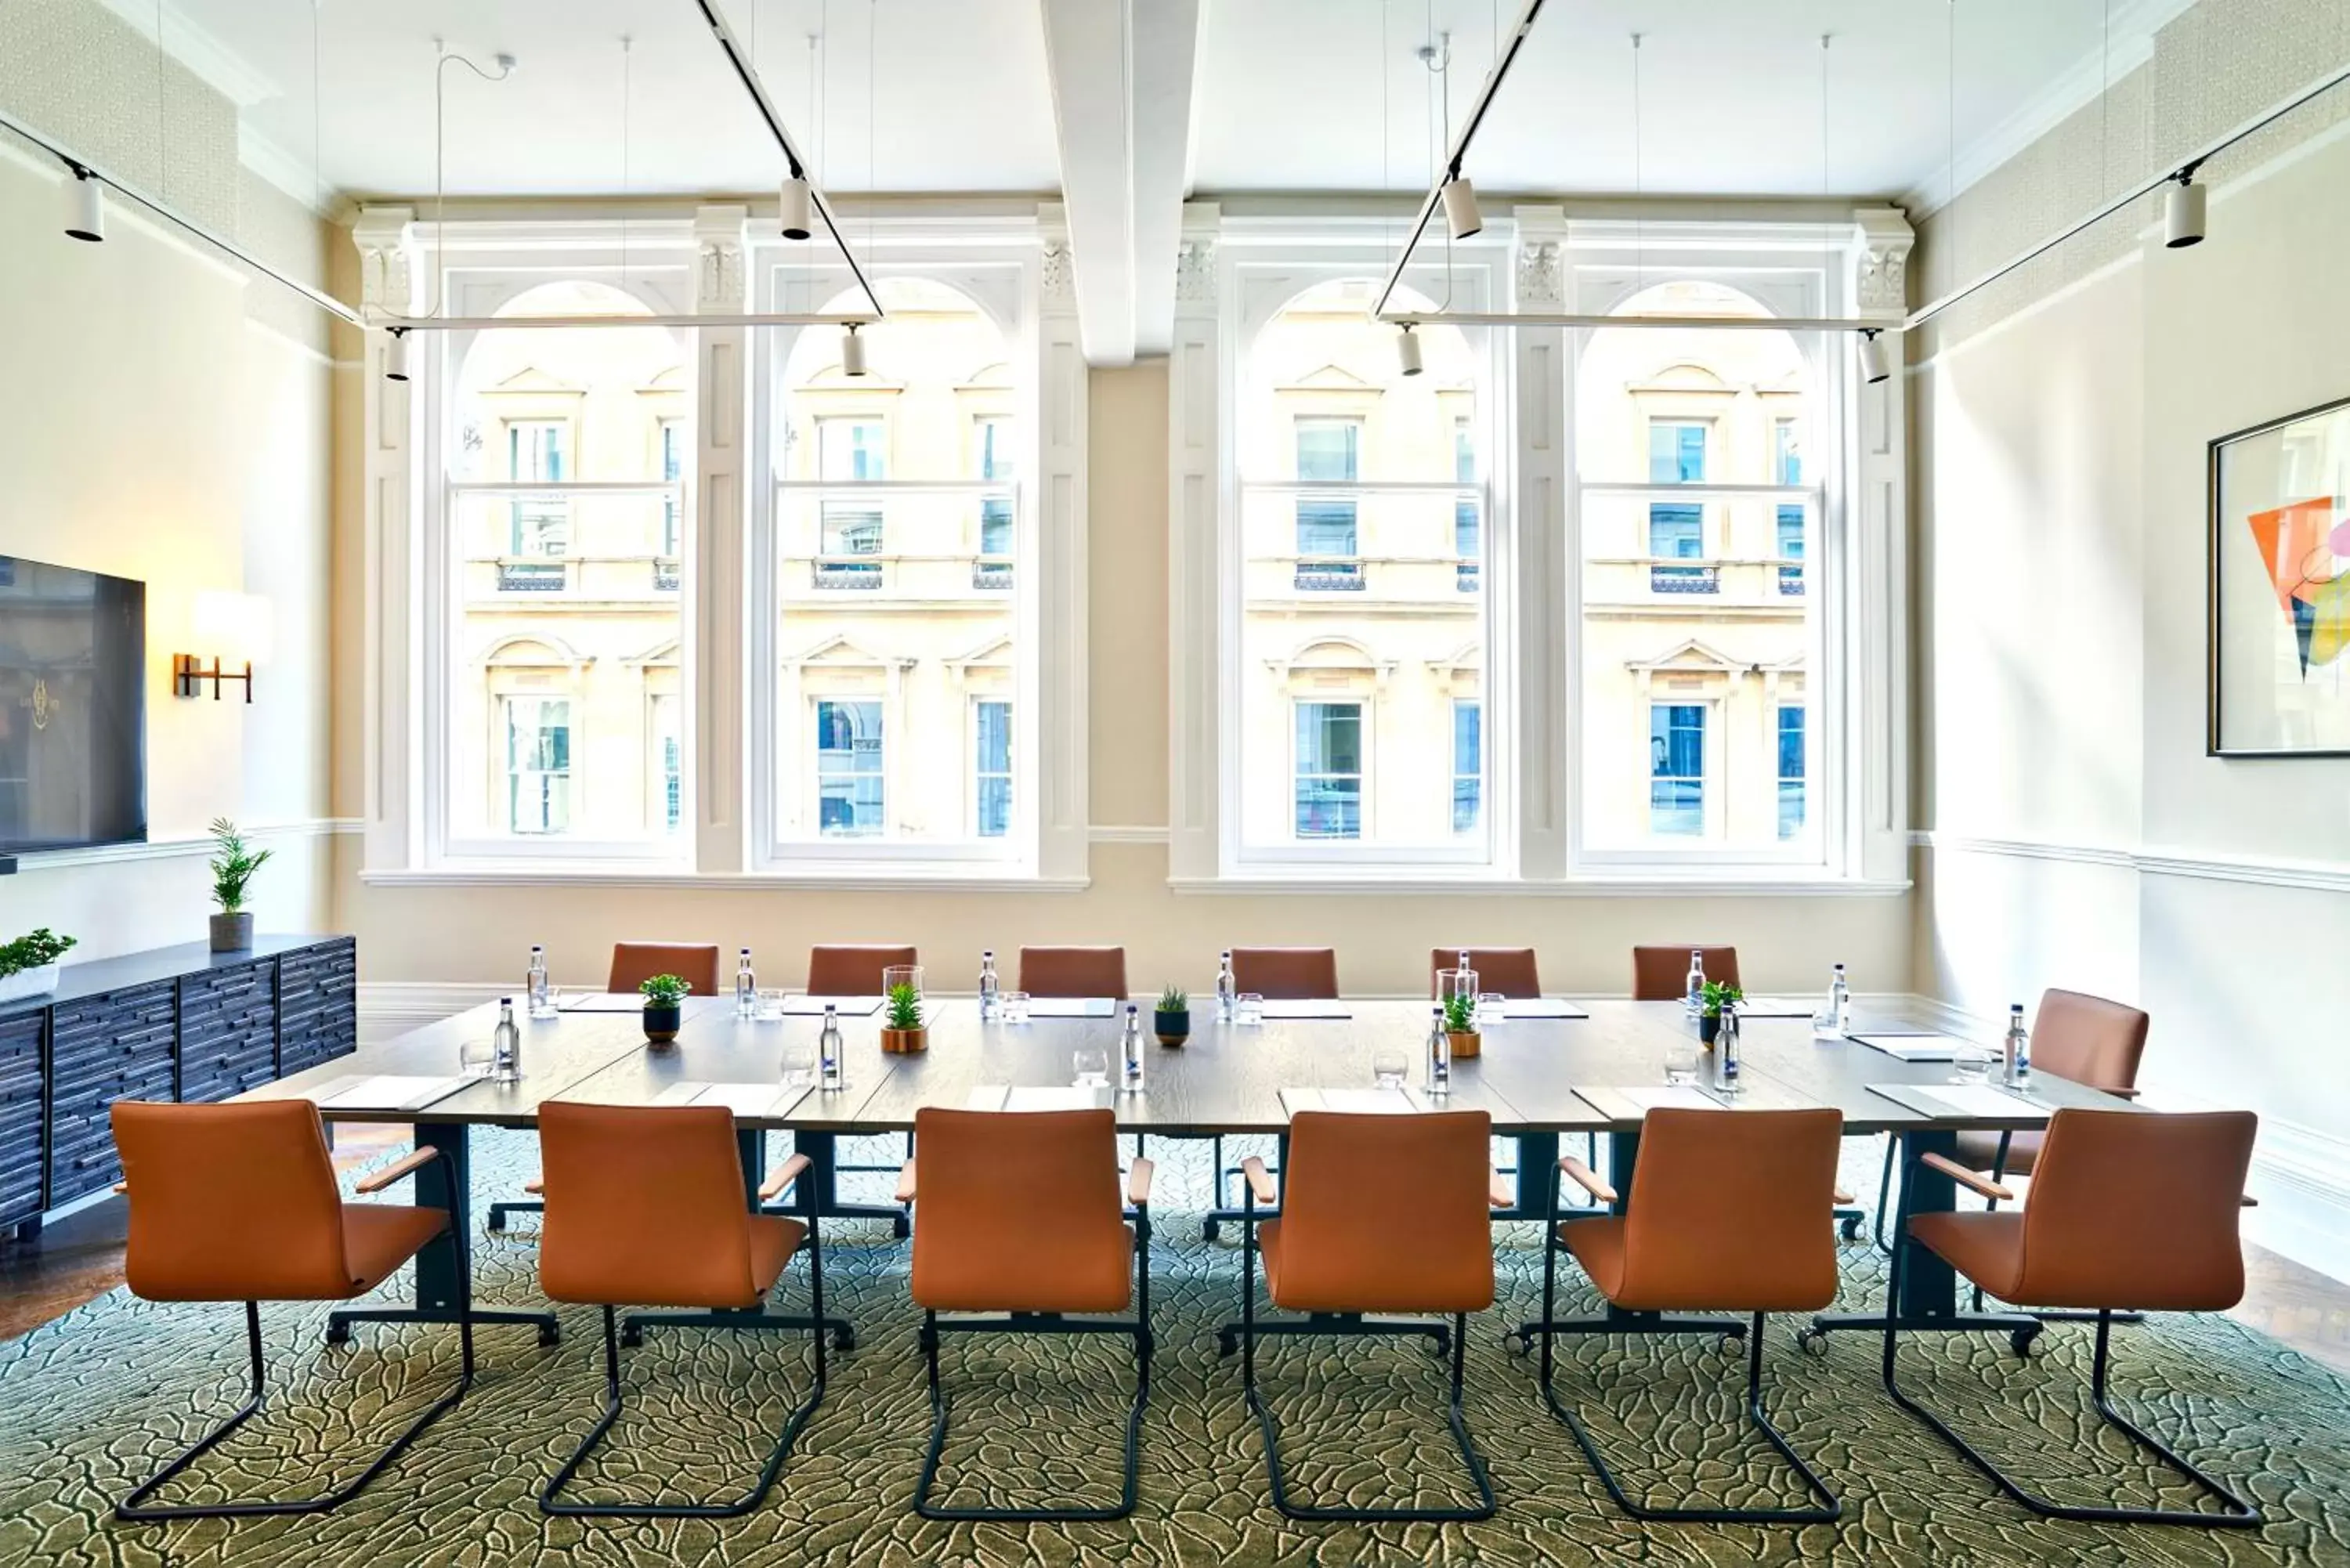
(1542, 562)
(1196, 423)
(1878, 643)
(391, 272)
(1059, 561)
(716, 581)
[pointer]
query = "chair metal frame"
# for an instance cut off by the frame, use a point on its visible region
(130, 1511)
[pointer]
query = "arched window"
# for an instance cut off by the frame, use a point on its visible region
(1700, 511)
(565, 499)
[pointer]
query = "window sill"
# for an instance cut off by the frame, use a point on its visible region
(1715, 883)
(847, 880)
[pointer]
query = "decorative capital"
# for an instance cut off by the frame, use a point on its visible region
(1539, 281)
(391, 269)
(1195, 272)
(718, 274)
(1057, 276)
(1882, 239)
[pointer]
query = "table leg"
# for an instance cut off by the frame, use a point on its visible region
(444, 1184)
(821, 1147)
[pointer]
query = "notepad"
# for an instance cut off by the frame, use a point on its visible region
(1350, 1102)
(1977, 1100)
(742, 1099)
(1775, 1007)
(1300, 1007)
(1004, 1097)
(1631, 1105)
(385, 1093)
(1072, 1007)
(1917, 1047)
(601, 1002)
(1541, 1007)
(846, 1006)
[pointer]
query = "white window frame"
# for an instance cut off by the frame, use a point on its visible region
(502, 732)
(1365, 705)
(812, 763)
(979, 777)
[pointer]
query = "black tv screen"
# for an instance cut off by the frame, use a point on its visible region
(73, 717)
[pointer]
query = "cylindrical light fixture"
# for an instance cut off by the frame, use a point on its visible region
(1407, 352)
(795, 208)
(1461, 213)
(2182, 214)
(1874, 365)
(852, 354)
(395, 357)
(86, 208)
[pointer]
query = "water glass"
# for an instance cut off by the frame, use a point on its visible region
(769, 1007)
(1389, 1069)
(799, 1065)
(1091, 1064)
(1248, 1008)
(1493, 1007)
(1970, 1066)
(477, 1058)
(1680, 1066)
(545, 1006)
(1012, 1006)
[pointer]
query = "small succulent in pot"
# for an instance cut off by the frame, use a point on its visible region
(1171, 1019)
(1460, 1025)
(664, 996)
(903, 1031)
(1717, 995)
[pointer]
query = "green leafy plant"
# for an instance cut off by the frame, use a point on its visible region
(41, 947)
(1460, 1013)
(1173, 1000)
(665, 989)
(232, 866)
(1716, 993)
(905, 1007)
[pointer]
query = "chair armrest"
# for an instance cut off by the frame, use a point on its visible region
(1137, 1182)
(783, 1176)
(906, 1183)
(405, 1166)
(1498, 1192)
(123, 1187)
(2119, 1094)
(2248, 1201)
(1843, 1200)
(1971, 1180)
(1260, 1184)
(1585, 1178)
(536, 1187)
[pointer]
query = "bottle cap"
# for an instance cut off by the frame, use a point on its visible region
(505, 1002)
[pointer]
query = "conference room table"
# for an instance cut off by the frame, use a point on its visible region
(1539, 1079)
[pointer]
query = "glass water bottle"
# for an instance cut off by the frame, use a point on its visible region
(2016, 1050)
(1226, 989)
(534, 984)
(505, 1045)
(991, 990)
(746, 987)
(1440, 1054)
(1130, 1060)
(1725, 1052)
(827, 1051)
(1693, 992)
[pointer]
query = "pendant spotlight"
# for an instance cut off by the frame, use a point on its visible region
(1874, 366)
(1461, 213)
(1407, 352)
(852, 353)
(796, 207)
(86, 208)
(2182, 211)
(395, 356)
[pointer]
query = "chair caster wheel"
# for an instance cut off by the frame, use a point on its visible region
(1812, 1341)
(1517, 1343)
(1443, 1338)
(339, 1333)
(901, 1227)
(2020, 1341)
(549, 1335)
(1227, 1343)
(630, 1338)
(1852, 1230)
(844, 1339)
(1207, 1231)
(1732, 1344)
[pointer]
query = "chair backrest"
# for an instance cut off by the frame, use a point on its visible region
(1016, 1207)
(2138, 1209)
(1730, 1210)
(645, 1205)
(853, 969)
(696, 964)
(1073, 971)
(1387, 1213)
(2089, 1039)
(1291, 974)
(1662, 974)
(1507, 971)
(231, 1202)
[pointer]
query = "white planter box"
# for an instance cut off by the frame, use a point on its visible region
(29, 982)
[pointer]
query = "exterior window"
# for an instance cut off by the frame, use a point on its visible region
(849, 453)
(1468, 765)
(1677, 769)
(848, 768)
(1675, 452)
(668, 805)
(539, 765)
(1328, 774)
(994, 567)
(1791, 771)
(992, 768)
(541, 524)
(672, 467)
(1787, 453)
(1329, 452)
(1468, 549)
(1791, 547)
(1677, 533)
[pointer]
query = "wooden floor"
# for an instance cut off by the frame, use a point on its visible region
(80, 1257)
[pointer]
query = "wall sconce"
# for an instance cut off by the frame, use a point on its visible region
(237, 626)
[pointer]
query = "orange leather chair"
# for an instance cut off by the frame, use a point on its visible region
(1289, 974)
(1662, 974)
(1506, 971)
(1073, 971)
(645, 1205)
(1724, 1216)
(2127, 1210)
(633, 964)
(238, 1202)
(855, 970)
(1021, 1216)
(1381, 1214)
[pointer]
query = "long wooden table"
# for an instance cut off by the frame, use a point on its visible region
(1227, 1079)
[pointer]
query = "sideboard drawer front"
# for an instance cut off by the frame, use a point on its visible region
(95, 1031)
(21, 1159)
(228, 1031)
(317, 1005)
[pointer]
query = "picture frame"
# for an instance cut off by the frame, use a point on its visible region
(2277, 631)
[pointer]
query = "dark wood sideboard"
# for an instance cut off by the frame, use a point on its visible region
(171, 1024)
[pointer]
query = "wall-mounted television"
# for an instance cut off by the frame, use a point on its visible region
(73, 708)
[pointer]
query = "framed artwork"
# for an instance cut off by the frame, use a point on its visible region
(2280, 588)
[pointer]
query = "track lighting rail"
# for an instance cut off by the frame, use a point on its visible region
(502, 323)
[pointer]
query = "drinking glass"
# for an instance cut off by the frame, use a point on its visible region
(799, 1065)
(769, 1007)
(477, 1058)
(1680, 1066)
(1014, 1006)
(1970, 1065)
(1248, 1007)
(1092, 1066)
(901, 974)
(1492, 1008)
(1389, 1069)
(548, 1007)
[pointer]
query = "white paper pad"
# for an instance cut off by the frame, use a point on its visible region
(1000, 1098)
(1981, 1100)
(1916, 1047)
(601, 1002)
(385, 1093)
(847, 1006)
(1072, 1007)
(742, 1099)
(1283, 1007)
(1631, 1105)
(1776, 1007)
(1352, 1102)
(1541, 1007)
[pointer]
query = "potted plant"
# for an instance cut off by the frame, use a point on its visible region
(1460, 1026)
(664, 1006)
(233, 867)
(1171, 1019)
(903, 1030)
(28, 966)
(1710, 1002)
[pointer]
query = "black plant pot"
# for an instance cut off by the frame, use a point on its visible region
(1172, 1028)
(661, 1021)
(1708, 1024)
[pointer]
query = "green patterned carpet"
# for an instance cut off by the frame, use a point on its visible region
(98, 1400)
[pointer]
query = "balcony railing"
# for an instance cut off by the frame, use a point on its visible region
(1328, 575)
(991, 572)
(1665, 579)
(538, 577)
(1465, 577)
(842, 572)
(1791, 581)
(665, 577)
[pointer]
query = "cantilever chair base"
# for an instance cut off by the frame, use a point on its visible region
(1036, 1323)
